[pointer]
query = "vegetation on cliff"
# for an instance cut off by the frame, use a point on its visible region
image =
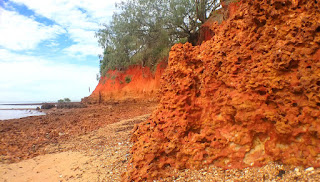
(64, 100)
(144, 30)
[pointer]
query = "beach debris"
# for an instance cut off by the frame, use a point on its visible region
(281, 173)
(47, 106)
(309, 169)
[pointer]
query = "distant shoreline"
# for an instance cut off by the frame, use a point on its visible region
(24, 104)
(7, 109)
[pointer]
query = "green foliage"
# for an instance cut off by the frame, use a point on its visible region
(144, 30)
(64, 100)
(113, 77)
(128, 79)
(67, 100)
(182, 40)
(98, 77)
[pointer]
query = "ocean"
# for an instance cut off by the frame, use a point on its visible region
(19, 110)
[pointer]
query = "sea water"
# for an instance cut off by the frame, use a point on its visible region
(18, 110)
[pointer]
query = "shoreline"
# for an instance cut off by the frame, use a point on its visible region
(23, 104)
(31, 104)
(24, 110)
(20, 109)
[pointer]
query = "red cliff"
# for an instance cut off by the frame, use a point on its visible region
(134, 82)
(247, 96)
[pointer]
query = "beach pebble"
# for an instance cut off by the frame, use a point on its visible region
(297, 171)
(309, 169)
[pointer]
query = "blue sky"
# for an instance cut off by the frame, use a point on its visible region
(47, 48)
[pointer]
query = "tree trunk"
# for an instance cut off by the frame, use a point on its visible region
(193, 38)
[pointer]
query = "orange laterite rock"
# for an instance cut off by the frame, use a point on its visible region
(245, 97)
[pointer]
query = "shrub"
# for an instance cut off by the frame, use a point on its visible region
(67, 100)
(98, 77)
(104, 81)
(128, 79)
(64, 100)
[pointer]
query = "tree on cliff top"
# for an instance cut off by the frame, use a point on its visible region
(145, 30)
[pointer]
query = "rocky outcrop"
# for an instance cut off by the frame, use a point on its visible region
(248, 96)
(136, 82)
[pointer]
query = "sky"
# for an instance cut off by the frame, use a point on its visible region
(48, 50)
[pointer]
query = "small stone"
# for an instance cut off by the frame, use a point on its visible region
(281, 173)
(309, 169)
(297, 171)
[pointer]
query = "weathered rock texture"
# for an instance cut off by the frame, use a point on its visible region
(248, 96)
(135, 82)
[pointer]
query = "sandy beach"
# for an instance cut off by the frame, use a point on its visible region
(93, 144)
(85, 144)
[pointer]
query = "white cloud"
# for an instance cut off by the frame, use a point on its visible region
(7, 56)
(22, 33)
(64, 12)
(53, 44)
(80, 50)
(29, 78)
(81, 18)
(83, 36)
(25, 77)
(85, 45)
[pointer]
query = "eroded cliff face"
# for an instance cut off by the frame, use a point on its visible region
(135, 82)
(249, 95)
